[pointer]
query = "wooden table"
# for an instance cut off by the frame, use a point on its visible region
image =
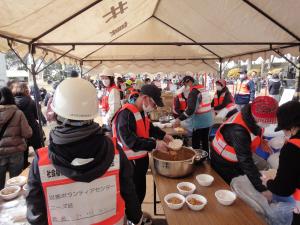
(214, 213)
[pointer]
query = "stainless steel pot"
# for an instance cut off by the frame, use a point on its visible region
(181, 168)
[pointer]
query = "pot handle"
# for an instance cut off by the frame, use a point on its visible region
(197, 157)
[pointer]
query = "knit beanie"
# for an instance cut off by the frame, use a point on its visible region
(264, 109)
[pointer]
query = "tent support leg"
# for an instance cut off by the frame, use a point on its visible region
(220, 68)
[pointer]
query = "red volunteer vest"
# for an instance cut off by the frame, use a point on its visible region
(226, 151)
(219, 100)
(242, 87)
(104, 101)
(205, 104)
(296, 194)
(182, 103)
(70, 202)
(142, 130)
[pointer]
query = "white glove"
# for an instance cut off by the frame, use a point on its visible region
(161, 146)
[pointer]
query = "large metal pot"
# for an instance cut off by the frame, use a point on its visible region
(181, 168)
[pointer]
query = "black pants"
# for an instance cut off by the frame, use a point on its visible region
(200, 136)
(139, 177)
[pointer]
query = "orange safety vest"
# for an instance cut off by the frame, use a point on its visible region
(226, 151)
(242, 87)
(219, 100)
(142, 130)
(182, 103)
(72, 202)
(296, 194)
(104, 101)
(205, 104)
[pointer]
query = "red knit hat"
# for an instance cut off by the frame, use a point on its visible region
(264, 109)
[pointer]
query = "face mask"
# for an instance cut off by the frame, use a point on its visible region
(242, 76)
(147, 109)
(262, 125)
(123, 87)
(106, 83)
(219, 88)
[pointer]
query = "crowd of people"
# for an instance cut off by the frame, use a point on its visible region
(104, 167)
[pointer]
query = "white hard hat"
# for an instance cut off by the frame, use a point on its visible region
(75, 99)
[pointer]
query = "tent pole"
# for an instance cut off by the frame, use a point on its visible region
(220, 68)
(37, 99)
(81, 71)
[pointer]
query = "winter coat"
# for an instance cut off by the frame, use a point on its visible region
(238, 137)
(227, 99)
(27, 106)
(68, 143)
(274, 86)
(17, 131)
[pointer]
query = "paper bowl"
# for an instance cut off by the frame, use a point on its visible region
(186, 184)
(171, 205)
(205, 179)
(10, 192)
(16, 181)
(200, 198)
(225, 197)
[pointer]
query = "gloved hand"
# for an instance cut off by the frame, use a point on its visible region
(168, 138)
(161, 146)
(177, 123)
(268, 195)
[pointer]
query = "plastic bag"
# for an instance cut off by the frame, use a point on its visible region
(277, 213)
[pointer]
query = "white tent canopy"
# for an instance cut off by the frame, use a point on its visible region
(161, 35)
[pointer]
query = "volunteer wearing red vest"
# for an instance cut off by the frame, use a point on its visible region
(82, 177)
(137, 135)
(111, 101)
(179, 104)
(198, 112)
(287, 180)
(237, 139)
(244, 90)
(223, 99)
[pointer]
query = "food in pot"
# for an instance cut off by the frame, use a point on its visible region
(174, 200)
(182, 154)
(185, 188)
(194, 201)
(176, 144)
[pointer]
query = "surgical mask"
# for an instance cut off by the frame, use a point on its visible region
(123, 87)
(219, 88)
(262, 125)
(106, 82)
(147, 109)
(242, 76)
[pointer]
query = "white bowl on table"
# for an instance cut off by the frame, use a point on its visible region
(16, 181)
(190, 185)
(200, 198)
(174, 195)
(204, 179)
(10, 192)
(225, 197)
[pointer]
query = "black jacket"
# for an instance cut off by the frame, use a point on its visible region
(27, 106)
(239, 138)
(126, 131)
(227, 99)
(274, 86)
(96, 146)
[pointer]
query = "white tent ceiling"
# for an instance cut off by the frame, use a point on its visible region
(87, 23)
